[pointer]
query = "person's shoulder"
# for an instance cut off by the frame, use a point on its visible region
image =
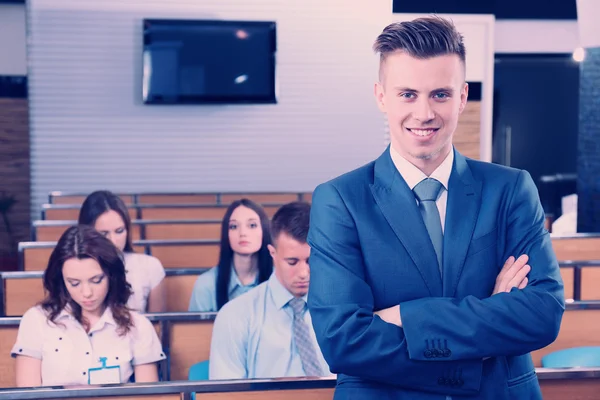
(35, 313)
(140, 322)
(360, 175)
(487, 170)
(245, 304)
(350, 183)
(207, 279)
(141, 259)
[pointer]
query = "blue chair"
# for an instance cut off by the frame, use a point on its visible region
(573, 357)
(198, 372)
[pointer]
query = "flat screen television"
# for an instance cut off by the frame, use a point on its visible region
(209, 61)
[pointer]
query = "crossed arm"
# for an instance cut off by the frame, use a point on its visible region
(513, 275)
(510, 322)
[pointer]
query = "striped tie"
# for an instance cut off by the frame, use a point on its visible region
(303, 340)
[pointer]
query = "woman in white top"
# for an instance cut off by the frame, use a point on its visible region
(83, 332)
(107, 213)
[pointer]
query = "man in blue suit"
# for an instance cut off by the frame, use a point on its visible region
(432, 276)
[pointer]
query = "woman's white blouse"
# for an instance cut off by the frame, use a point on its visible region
(67, 351)
(144, 273)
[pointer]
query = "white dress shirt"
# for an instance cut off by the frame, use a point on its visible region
(67, 351)
(144, 273)
(413, 175)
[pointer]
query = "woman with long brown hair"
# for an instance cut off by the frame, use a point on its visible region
(83, 332)
(108, 214)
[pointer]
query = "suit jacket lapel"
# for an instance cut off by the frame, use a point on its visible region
(399, 207)
(462, 210)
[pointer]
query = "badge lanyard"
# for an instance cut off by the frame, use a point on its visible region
(104, 374)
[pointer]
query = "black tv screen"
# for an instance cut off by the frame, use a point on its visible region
(209, 61)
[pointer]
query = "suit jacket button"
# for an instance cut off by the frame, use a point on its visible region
(447, 353)
(436, 353)
(427, 353)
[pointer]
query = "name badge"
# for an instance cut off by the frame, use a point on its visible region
(105, 374)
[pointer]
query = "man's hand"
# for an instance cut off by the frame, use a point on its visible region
(513, 274)
(390, 315)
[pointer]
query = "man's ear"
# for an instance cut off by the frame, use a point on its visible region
(379, 96)
(464, 95)
(272, 250)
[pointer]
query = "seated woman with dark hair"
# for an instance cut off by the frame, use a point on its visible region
(244, 259)
(83, 332)
(107, 213)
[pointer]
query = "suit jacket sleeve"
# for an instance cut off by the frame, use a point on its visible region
(504, 324)
(354, 341)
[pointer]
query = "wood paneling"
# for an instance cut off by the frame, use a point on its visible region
(570, 389)
(8, 337)
(467, 135)
(183, 231)
(199, 198)
(22, 294)
(577, 248)
(189, 344)
(260, 198)
(578, 328)
(187, 256)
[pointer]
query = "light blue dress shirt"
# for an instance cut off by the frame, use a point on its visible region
(252, 336)
(204, 294)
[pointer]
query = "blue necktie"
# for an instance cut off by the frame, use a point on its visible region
(427, 192)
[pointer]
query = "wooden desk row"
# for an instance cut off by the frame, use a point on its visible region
(576, 247)
(176, 198)
(555, 385)
(20, 291)
(33, 256)
(186, 338)
(153, 211)
(162, 229)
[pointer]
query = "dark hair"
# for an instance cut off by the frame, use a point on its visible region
(265, 262)
(292, 219)
(83, 242)
(421, 38)
(98, 203)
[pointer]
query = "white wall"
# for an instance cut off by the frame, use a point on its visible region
(529, 36)
(588, 12)
(12, 40)
(89, 129)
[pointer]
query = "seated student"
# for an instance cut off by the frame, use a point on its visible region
(107, 213)
(84, 322)
(267, 332)
(244, 259)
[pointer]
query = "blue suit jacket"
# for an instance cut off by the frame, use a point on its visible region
(370, 250)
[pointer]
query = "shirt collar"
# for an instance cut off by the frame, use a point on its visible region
(413, 175)
(106, 318)
(281, 296)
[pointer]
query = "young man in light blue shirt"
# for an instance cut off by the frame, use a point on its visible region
(267, 332)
